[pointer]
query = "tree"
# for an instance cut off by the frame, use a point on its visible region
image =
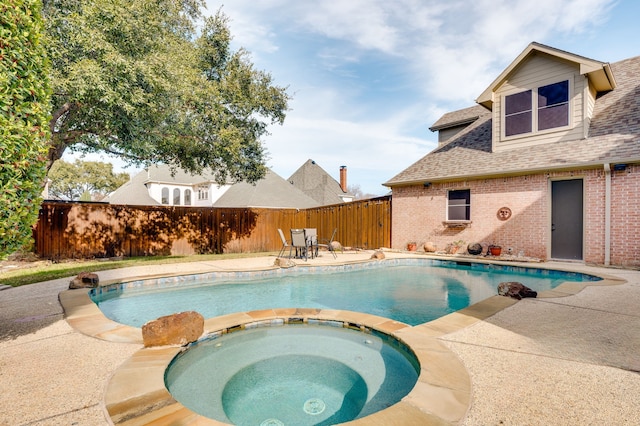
(135, 80)
(84, 180)
(357, 193)
(24, 113)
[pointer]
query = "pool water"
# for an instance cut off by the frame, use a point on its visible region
(413, 292)
(292, 375)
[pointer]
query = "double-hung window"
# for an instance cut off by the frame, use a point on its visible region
(459, 205)
(543, 108)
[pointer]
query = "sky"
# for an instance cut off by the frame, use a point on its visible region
(369, 77)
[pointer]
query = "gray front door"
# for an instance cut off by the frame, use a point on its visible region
(566, 219)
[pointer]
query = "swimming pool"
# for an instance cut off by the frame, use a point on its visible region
(412, 291)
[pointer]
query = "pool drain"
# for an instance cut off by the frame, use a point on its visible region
(272, 422)
(314, 406)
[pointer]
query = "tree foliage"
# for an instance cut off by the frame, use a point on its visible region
(357, 192)
(24, 114)
(136, 80)
(72, 181)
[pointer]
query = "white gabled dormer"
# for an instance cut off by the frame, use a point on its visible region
(546, 95)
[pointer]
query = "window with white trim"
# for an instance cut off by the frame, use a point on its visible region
(176, 197)
(165, 196)
(203, 192)
(187, 197)
(545, 107)
(459, 205)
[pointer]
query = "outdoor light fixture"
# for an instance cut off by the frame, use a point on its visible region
(619, 167)
(427, 184)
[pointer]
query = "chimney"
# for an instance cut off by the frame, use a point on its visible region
(343, 178)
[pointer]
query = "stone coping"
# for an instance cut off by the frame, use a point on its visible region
(136, 393)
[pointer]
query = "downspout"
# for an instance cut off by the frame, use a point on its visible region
(607, 214)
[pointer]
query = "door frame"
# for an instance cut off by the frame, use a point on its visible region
(550, 216)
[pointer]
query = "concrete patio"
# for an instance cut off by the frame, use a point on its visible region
(567, 359)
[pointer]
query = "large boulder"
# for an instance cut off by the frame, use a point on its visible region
(84, 280)
(176, 329)
(516, 290)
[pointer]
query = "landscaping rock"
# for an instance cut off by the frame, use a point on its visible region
(284, 263)
(516, 290)
(335, 246)
(379, 255)
(430, 247)
(84, 280)
(177, 329)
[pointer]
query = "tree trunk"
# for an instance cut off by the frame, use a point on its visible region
(57, 145)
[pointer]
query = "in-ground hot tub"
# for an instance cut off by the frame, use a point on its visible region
(293, 374)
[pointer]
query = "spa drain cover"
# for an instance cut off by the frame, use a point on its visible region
(314, 406)
(272, 422)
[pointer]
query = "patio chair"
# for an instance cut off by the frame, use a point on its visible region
(329, 246)
(299, 242)
(311, 235)
(285, 244)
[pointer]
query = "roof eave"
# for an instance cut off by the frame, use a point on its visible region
(519, 172)
(468, 120)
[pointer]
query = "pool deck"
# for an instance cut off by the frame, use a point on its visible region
(571, 356)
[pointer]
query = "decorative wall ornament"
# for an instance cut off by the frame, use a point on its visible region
(504, 213)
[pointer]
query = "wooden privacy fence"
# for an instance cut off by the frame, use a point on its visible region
(86, 230)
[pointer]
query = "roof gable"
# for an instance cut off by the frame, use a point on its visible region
(314, 181)
(599, 73)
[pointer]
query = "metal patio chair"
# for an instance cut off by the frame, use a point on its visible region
(329, 246)
(299, 242)
(285, 244)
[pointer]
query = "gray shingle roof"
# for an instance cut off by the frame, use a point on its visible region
(314, 181)
(133, 193)
(162, 173)
(614, 137)
(455, 118)
(271, 192)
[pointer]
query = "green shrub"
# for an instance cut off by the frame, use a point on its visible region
(24, 115)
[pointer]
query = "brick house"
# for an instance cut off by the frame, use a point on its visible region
(546, 165)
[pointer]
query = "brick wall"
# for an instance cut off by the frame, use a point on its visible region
(625, 209)
(419, 213)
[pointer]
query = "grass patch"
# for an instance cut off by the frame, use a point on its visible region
(35, 272)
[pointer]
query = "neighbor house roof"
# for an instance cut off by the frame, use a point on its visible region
(270, 192)
(614, 137)
(164, 174)
(135, 191)
(314, 181)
